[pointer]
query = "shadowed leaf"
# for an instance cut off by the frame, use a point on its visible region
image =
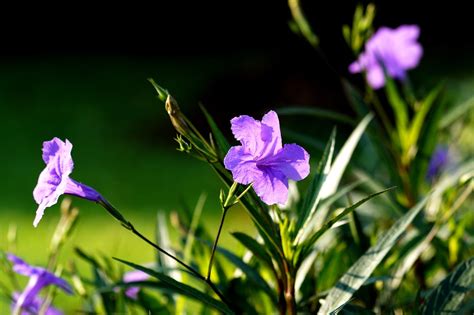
(448, 296)
(181, 288)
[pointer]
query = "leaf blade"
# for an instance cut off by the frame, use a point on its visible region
(181, 288)
(447, 297)
(359, 272)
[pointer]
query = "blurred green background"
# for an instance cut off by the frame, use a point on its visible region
(90, 87)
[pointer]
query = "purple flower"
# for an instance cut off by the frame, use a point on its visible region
(395, 49)
(132, 276)
(39, 278)
(262, 160)
(439, 161)
(54, 180)
(34, 306)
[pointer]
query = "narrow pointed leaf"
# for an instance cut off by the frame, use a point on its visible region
(342, 159)
(257, 249)
(353, 279)
(404, 264)
(181, 288)
(448, 296)
(221, 141)
(251, 273)
(419, 119)
(360, 271)
(310, 242)
(302, 24)
(312, 197)
(457, 112)
(399, 106)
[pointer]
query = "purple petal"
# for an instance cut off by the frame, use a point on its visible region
(251, 133)
(438, 162)
(376, 77)
(34, 306)
(20, 266)
(292, 161)
(81, 190)
(408, 32)
(57, 149)
(132, 276)
(242, 165)
(270, 119)
(272, 187)
(54, 179)
(41, 276)
(355, 67)
(132, 292)
(51, 149)
(396, 49)
(135, 275)
(47, 192)
(48, 182)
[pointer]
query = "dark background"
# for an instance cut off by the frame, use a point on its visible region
(188, 28)
(283, 68)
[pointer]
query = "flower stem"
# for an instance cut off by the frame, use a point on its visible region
(179, 261)
(129, 226)
(214, 247)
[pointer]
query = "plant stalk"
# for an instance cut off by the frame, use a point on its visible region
(129, 226)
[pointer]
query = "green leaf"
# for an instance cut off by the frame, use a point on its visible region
(448, 296)
(221, 141)
(353, 279)
(303, 26)
(259, 215)
(420, 116)
(456, 112)
(101, 279)
(251, 273)
(181, 288)
(341, 192)
(342, 159)
(399, 106)
(355, 99)
(312, 197)
(257, 249)
(405, 263)
(162, 93)
(315, 112)
(374, 185)
(308, 245)
(426, 144)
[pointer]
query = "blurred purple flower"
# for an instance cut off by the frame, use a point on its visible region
(34, 306)
(262, 160)
(132, 276)
(39, 278)
(395, 49)
(439, 161)
(54, 180)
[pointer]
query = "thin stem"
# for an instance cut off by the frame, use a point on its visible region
(214, 247)
(129, 226)
(379, 109)
(191, 269)
(179, 261)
